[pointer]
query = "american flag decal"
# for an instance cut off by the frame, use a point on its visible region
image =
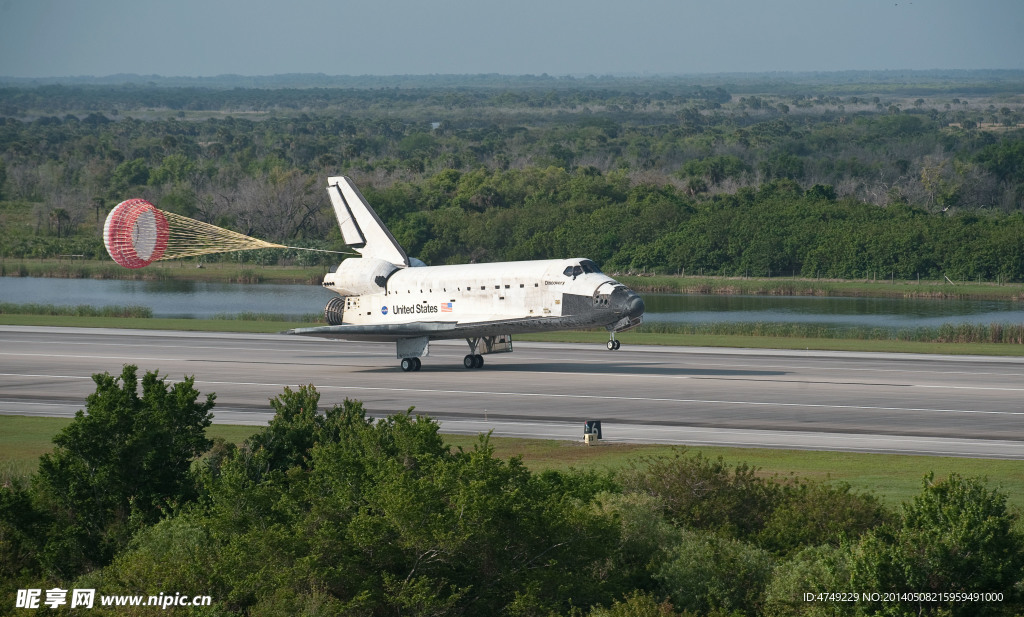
(446, 307)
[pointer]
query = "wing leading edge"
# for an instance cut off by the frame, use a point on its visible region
(380, 332)
(431, 329)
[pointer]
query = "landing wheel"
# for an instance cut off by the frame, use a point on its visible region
(473, 361)
(478, 361)
(617, 345)
(411, 364)
(613, 345)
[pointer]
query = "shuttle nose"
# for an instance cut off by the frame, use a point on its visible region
(627, 303)
(635, 306)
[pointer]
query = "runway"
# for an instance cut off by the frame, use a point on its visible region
(898, 403)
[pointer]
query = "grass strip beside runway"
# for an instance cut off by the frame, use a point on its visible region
(893, 478)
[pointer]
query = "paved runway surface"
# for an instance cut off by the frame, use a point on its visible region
(960, 406)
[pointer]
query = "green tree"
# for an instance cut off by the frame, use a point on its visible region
(129, 174)
(637, 604)
(705, 572)
(716, 168)
(644, 538)
(822, 191)
(173, 168)
(1004, 159)
(22, 528)
(174, 554)
(122, 463)
(377, 518)
(815, 569)
(812, 514)
(293, 431)
(701, 493)
(782, 165)
(956, 536)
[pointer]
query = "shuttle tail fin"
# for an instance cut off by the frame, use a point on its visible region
(361, 228)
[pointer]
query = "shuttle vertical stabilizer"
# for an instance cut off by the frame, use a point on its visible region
(361, 228)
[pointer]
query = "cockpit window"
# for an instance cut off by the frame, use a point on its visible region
(590, 267)
(585, 267)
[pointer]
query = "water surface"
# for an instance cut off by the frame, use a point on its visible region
(203, 300)
(191, 299)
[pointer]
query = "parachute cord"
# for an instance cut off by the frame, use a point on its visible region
(136, 233)
(302, 248)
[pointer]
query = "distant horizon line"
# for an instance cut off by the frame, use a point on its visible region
(544, 76)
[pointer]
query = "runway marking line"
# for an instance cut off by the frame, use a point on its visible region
(853, 369)
(577, 396)
(632, 375)
(442, 354)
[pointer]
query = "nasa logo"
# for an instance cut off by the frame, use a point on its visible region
(384, 310)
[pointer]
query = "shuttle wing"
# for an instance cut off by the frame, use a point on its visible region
(431, 329)
(380, 332)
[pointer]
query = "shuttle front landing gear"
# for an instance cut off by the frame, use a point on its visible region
(473, 361)
(411, 364)
(613, 344)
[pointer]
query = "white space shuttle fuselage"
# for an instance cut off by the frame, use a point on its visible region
(383, 295)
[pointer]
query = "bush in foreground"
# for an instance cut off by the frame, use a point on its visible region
(329, 511)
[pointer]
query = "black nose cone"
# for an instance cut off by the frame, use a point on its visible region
(635, 306)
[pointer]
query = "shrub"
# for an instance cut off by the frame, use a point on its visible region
(706, 572)
(700, 493)
(956, 536)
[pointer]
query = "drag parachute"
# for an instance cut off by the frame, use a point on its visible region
(137, 233)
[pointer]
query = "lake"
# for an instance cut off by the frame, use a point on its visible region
(203, 300)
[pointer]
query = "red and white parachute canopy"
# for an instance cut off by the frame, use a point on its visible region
(136, 233)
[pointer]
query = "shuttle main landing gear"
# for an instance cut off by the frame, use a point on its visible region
(473, 359)
(410, 350)
(480, 345)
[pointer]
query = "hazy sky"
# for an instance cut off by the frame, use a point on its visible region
(55, 38)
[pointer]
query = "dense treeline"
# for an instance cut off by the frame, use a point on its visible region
(328, 513)
(637, 174)
(911, 82)
(779, 229)
(63, 99)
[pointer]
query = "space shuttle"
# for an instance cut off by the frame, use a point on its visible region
(384, 295)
